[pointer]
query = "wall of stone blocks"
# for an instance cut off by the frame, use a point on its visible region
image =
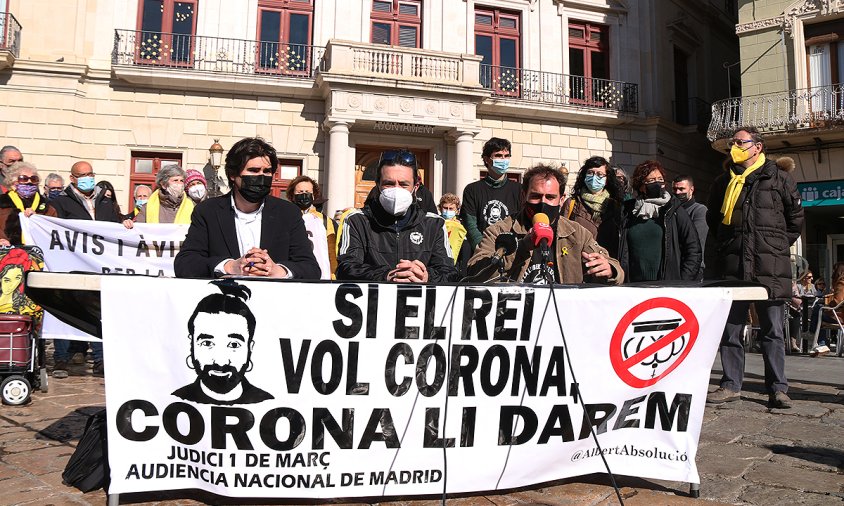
(56, 121)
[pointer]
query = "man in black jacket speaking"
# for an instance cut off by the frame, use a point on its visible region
(392, 239)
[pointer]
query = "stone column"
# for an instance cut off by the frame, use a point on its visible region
(465, 170)
(340, 177)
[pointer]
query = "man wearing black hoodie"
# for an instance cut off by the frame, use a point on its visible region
(392, 239)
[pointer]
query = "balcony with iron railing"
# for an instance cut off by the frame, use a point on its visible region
(155, 57)
(560, 89)
(10, 37)
(815, 108)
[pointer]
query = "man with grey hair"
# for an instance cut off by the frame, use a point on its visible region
(8, 156)
(167, 204)
(81, 200)
(53, 186)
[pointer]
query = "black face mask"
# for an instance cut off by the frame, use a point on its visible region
(255, 188)
(682, 197)
(531, 210)
(653, 190)
(303, 200)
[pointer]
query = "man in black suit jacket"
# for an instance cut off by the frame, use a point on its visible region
(247, 232)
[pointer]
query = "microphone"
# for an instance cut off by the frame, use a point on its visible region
(505, 244)
(542, 235)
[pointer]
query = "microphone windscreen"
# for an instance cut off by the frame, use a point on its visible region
(506, 242)
(541, 218)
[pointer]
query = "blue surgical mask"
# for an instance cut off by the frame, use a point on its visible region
(140, 202)
(500, 165)
(85, 184)
(595, 183)
(448, 214)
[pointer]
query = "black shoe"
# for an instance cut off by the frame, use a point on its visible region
(98, 370)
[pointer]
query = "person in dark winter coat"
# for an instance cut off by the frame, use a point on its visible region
(755, 215)
(683, 188)
(392, 238)
(657, 241)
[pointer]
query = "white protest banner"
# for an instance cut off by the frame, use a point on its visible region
(316, 390)
(100, 247)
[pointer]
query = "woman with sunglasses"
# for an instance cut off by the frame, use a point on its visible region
(658, 240)
(23, 197)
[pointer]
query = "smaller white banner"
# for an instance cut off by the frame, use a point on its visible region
(100, 247)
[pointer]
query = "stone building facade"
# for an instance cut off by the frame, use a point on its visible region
(133, 84)
(792, 90)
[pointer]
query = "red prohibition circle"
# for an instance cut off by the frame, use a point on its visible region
(622, 366)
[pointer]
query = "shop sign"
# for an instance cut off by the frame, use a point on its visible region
(822, 193)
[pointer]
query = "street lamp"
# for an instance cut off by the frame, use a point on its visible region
(212, 169)
(216, 151)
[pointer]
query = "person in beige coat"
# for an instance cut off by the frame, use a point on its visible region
(573, 254)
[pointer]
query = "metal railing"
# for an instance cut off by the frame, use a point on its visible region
(10, 34)
(560, 89)
(807, 108)
(215, 54)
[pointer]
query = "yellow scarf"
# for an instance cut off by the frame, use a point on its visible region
(16, 199)
(456, 236)
(734, 189)
(182, 214)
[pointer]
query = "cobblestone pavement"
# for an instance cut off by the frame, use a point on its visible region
(748, 454)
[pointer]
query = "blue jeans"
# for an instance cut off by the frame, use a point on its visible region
(61, 353)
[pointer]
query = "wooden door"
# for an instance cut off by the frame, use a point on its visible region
(366, 165)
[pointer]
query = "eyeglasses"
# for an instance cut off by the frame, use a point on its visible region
(740, 142)
(90, 174)
(400, 157)
(596, 173)
(28, 179)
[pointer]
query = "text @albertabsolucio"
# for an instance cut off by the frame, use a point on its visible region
(632, 451)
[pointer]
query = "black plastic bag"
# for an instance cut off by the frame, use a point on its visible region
(87, 468)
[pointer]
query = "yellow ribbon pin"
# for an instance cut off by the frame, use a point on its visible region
(565, 250)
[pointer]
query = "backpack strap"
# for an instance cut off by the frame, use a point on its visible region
(571, 208)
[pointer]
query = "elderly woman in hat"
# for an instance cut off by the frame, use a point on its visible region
(168, 203)
(196, 186)
(23, 197)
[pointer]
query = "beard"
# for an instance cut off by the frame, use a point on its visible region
(219, 378)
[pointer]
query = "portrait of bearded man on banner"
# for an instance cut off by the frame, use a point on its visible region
(221, 331)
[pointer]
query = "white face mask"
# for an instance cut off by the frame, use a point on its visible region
(176, 190)
(396, 201)
(197, 192)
